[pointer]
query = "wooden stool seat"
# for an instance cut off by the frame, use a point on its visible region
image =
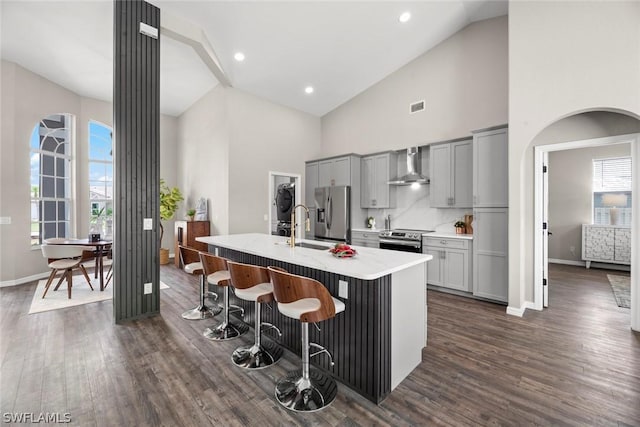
(307, 300)
(252, 283)
(215, 268)
(190, 259)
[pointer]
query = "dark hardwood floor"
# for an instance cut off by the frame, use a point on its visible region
(576, 363)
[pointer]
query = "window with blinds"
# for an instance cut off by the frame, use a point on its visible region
(612, 191)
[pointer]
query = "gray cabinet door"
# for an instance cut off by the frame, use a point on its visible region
(310, 183)
(380, 179)
(490, 170)
(440, 170)
(461, 174)
(490, 262)
(456, 266)
(434, 267)
(367, 192)
(341, 171)
(325, 173)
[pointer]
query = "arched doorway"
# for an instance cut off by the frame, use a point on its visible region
(586, 129)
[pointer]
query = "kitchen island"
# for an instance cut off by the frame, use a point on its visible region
(377, 341)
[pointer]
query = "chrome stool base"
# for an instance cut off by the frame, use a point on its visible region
(257, 356)
(300, 395)
(225, 331)
(201, 312)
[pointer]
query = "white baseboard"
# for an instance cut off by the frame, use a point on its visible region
(23, 280)
(567, 262)
(516, 311)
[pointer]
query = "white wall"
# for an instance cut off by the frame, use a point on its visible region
(263, 137)
(26, 99)
(203, 158)
(564, 58)
(463, 81)
(571, 196)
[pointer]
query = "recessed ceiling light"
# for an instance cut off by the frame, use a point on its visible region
(308, 89)
(239, 56)
(404, 17)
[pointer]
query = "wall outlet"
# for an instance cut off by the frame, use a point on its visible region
(148, 288)
(147, 224)
(343, 289)
(572, 249)
(266, 217)
(5, 220)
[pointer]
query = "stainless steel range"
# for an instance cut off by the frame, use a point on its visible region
(402, 240)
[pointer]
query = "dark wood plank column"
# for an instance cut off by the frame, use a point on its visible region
(136, 104)
(359, 338)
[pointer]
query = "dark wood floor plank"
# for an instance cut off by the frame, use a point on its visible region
(576, 363)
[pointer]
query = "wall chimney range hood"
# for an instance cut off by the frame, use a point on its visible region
(413, 175)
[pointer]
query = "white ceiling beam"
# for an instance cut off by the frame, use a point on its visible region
(190, 34)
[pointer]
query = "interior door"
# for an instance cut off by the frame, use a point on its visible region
(545, 230)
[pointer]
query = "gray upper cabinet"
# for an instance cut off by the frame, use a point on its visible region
(451, 174)
(377, 170)
(310, 183)
(490, 171)
(334, 172)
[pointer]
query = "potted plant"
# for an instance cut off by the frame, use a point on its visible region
(191, 213)
(460, 227)
(169, 199)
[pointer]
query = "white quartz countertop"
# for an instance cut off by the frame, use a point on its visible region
(368, 230)
(448, 235)
(368, 264)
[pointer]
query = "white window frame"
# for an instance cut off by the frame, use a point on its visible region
(106, 200)
(600, 215)
(69, 177)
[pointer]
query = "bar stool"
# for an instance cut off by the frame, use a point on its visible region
(252, 283)
(192, 265)
(306, 300)
(215, 269)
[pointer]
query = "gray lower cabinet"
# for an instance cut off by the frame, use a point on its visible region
(451, 264)
(490, 260)
(369, 239)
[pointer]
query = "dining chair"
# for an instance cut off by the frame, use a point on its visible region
(67, 258)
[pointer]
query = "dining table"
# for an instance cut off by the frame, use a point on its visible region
(101, 248)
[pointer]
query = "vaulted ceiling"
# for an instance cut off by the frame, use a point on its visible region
(339, 48)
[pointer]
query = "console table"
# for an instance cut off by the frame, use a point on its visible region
(606, 243)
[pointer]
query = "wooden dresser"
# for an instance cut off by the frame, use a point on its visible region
(186, 233)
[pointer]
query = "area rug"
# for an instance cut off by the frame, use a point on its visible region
(81, 294)
(621, 287)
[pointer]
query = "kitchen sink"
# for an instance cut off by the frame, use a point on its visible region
(312, 246)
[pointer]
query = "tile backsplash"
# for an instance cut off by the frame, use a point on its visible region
(413, 210)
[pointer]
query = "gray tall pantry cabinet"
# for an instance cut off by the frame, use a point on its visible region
(490, 214)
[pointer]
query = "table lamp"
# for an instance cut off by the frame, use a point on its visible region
(613, 201)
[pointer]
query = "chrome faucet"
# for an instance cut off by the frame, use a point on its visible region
(292, 239)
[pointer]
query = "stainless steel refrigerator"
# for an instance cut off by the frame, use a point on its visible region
(333, 213)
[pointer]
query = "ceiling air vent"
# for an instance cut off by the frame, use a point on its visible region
(416, 107)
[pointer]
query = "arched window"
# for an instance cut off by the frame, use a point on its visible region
(51, 180)
(101, 174)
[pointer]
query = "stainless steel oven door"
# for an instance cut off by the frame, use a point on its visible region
(401, 245)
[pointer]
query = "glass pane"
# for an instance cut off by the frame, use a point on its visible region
(50, 230)
(48, 165)
(35, 233)
(62, 147)
(48, 187)
(34, 141)
(100, 140)
(49, 144)
(34, 210)
(35, 175)
(62, 229)
(49, 211)
(61, 188)
(62, 210)
(61, 169)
